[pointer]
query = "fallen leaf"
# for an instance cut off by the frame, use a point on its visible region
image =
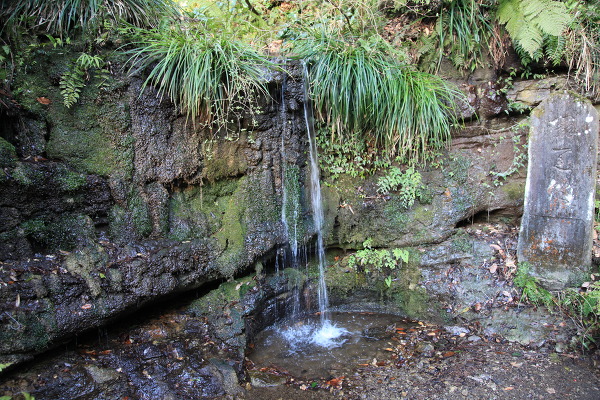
(336, 381)
(509, 388)
(516, 364)
(551, 390)
(43, 100)
(447, 354)
(493, 268)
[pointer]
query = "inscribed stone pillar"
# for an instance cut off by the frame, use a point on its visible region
(556, 229)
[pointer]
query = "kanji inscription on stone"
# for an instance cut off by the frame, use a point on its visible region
(556, 228)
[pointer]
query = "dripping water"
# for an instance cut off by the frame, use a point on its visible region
(289, 205)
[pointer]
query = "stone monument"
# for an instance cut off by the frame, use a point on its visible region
(556, 229)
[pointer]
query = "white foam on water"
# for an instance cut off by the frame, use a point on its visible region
(329, 335)
(301, 336)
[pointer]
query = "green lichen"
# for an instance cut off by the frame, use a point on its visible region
(8, 154)
(86, 263)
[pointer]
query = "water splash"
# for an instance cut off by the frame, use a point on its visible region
(302, 336)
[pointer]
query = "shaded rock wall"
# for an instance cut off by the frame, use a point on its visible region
(120, 201)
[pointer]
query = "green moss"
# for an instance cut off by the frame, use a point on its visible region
(69, 180)
(514, 190)
(197, 211)
(461, 242)
(29, 331)
(140, 216)
(292, 209)
(25, 175)
(83, 146)
(8, 154)
(228, 292)
(233, 232)
(343, 281)
(63, 232)
(457, 169)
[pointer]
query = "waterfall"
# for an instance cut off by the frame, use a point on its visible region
(325, 334)
(316, 201)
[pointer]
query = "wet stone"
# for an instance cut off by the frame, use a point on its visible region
(556, 229)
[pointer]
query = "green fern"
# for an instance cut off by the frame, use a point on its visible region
(527, 21)
(71, 83)
(74, 79)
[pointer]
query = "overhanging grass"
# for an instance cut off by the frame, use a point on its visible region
(207, 74)
(61, 16)
(360, 88)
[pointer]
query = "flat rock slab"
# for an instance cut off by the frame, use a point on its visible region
(556, 229)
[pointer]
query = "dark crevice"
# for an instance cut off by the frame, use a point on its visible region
(487, 216)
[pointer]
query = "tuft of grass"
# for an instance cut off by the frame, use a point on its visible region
(208, 74)
(62, 16)
(361, 88)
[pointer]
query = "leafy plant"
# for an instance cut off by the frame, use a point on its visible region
(527, 21)
(408, 183)
(378, 259)
(210, 75)
(531, 290)
(583, 306)
(361, 89)
(518, 162)
(352, 157)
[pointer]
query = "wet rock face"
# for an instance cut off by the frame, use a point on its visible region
(136, 203)
(47, 206)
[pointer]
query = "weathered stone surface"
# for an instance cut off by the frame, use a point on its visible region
(556, 229)
(530, 93)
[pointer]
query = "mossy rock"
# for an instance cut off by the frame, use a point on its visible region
(8, 154)
(64, 232)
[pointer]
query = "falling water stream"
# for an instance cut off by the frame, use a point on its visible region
(324, 342)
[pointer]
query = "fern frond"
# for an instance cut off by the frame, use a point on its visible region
(71, 84)
(528, 20)
(551, 17)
